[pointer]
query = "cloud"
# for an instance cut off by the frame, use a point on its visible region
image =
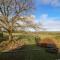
(45, 1)
(43, 17)
(54, 3)
(50, 24)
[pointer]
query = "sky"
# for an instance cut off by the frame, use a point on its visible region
(47, 12)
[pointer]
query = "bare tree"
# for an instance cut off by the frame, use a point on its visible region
(11, 11)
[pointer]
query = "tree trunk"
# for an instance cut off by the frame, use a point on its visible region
(10, 37)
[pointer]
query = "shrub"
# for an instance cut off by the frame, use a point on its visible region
(52, 49)
(49, 44)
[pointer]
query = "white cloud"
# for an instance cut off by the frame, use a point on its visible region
(50, 24)
(45, 1)
(43, 17)
(54, 3)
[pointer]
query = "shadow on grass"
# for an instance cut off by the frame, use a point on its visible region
(30, 52)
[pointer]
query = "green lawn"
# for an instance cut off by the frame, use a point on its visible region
(31, 52)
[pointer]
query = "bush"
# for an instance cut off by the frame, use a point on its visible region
(52, 49)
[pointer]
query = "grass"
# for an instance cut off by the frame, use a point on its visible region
(31, 51)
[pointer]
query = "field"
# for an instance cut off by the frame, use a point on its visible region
(31, 51)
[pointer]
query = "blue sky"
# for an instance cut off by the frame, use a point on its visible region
(48, 12)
